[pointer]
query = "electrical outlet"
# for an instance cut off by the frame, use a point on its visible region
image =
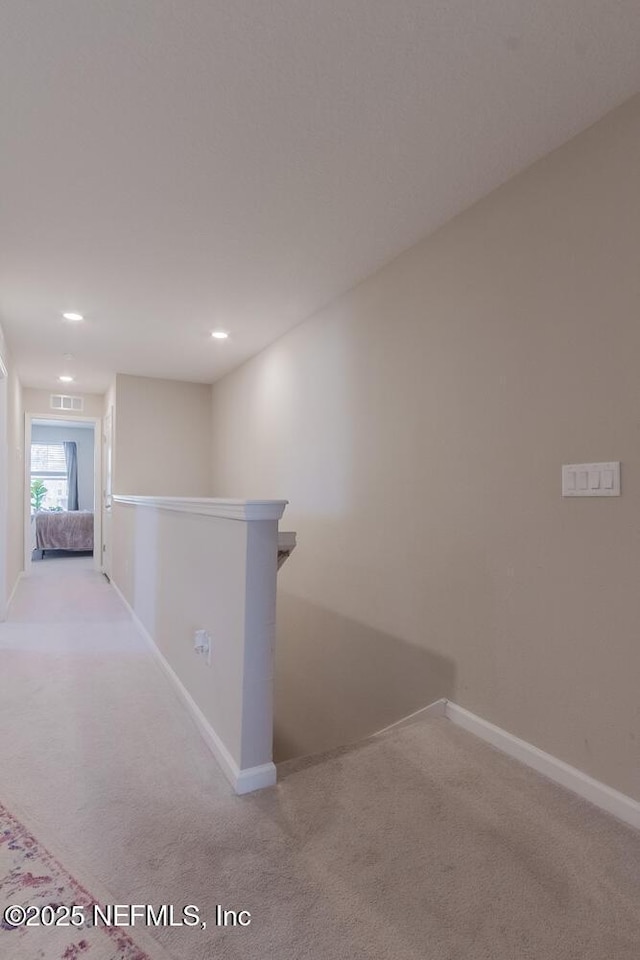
(202, 645)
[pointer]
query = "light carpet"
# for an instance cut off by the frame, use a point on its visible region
(421, 844)
(46, 912)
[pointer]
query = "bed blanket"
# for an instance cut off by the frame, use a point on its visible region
(71, 530)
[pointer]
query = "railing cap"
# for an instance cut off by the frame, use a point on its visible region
(211, 506)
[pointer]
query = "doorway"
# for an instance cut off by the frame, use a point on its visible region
(62, 489)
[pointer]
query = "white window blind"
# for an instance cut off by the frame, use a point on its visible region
(48, 458)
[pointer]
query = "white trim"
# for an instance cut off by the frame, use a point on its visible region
(618, 804)
(286, 545)
(106, 471)
(435, 709)
(286, 540)
(255, 778)
(242, 781)
(211, 507)
(12, 594)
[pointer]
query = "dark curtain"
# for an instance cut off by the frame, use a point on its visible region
(71, 456)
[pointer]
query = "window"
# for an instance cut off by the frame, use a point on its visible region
(49, 465)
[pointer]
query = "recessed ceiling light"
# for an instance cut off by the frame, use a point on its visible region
(65, 379)
(219, 335)
(73, 316)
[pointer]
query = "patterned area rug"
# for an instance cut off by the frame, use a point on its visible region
(31, 877)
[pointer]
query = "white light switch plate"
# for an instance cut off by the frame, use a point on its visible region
(591, 479)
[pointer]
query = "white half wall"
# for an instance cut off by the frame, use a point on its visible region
(185, 564)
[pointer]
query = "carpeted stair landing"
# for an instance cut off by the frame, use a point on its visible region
(442, 847)
(419, 844)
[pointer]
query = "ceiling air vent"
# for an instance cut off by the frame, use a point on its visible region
(60, 402)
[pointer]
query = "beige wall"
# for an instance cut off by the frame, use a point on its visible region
(12, 456)
(4, 454)
(16, 479)
(38, 403)
(15, 463)
(418, 427)
(162, 437)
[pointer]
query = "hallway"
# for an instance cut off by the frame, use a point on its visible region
(98, 754)
(421, 844)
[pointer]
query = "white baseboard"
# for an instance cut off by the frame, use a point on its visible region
(255, 778)
(12, 594)
(242, 781)
(435, 709)
(618, 804)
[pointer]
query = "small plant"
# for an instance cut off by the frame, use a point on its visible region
(38, 494)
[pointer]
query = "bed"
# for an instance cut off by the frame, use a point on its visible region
(64, 530)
